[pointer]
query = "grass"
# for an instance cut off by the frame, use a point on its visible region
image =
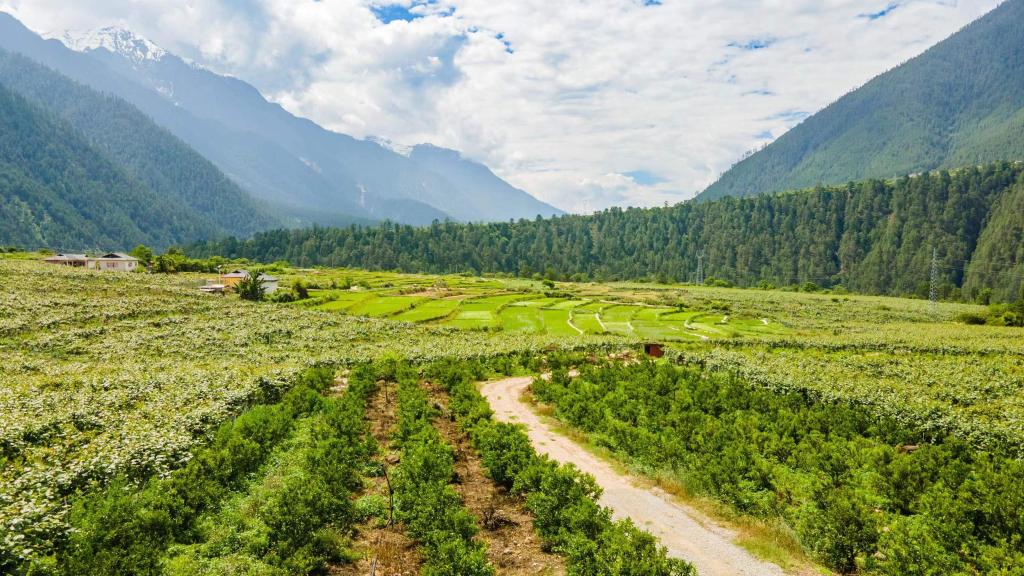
(587, 321)
(428, 310)
(382, 307)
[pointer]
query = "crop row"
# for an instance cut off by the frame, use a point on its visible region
(861, 492)
(429, 507)
(122, 530)
(976, 397)
(562, 499)
(110, 375)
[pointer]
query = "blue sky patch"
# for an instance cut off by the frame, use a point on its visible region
(391, 12)
(881, 13)
(645, 177)
(652, 2)
(766, 135)
(755, 44)
(508, 45)
(388, 13)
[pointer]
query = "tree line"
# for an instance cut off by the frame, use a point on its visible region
(875, 237)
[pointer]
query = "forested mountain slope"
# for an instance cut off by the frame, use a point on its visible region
(148, 153)
(57, 190)
(959, 103)
(873, 236)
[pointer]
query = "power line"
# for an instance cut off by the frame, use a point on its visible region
(700, 267)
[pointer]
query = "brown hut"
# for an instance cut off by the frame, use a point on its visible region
(654, 350)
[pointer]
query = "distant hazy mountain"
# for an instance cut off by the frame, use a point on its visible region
(289, 162)
(490, 195)
(959, 103)
(149, 154)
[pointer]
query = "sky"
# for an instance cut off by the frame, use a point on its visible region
(585, 104)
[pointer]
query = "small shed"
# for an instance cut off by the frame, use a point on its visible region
(233, 278)
(270, 283)
(73, 260)
(654, 350)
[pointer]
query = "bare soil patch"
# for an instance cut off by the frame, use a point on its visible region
(513, 547)
(384, 550)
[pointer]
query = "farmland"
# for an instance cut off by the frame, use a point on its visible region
(118, 384)
(895, 354)
(824, 468)
(108, 375)
(492, 308)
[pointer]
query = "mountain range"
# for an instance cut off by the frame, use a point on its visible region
(910, 182)
(959, 103)
(270, 167)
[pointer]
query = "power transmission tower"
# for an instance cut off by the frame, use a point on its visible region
(933, 288)
(700, 267)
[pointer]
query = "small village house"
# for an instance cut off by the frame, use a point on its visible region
(115, 261)
(73, 260)
(654, 349)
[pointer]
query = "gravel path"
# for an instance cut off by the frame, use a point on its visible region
(707, 546)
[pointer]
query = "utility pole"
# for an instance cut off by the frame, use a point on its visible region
(933, 289)
(700, 267)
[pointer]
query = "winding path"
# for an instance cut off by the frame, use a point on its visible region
(707, 546)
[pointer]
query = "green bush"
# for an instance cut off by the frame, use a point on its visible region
(126, 530)
(430, 508)
(562, 499)
(832, 472)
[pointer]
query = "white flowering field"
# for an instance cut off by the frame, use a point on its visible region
(106, 374)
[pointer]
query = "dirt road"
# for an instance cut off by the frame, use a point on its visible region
(708, 547)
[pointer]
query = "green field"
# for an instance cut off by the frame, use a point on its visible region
(128, 376)
(478, 304)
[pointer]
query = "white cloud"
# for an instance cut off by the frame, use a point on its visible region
(561, 98)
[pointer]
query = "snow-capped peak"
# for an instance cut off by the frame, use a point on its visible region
(392, 146)
(117, 40)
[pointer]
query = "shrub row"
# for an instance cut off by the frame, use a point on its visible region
(862, 493)
(425, 502)
(125, 529)
(297, 518)
(562, 499)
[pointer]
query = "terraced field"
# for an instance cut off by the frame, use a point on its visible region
(492, 308)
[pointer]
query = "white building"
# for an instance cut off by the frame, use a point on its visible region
(116, 261)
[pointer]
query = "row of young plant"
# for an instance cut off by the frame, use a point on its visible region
(129, 374)
(861, 492)
(562, 499)
(297, 516)
(221, 509)
(425, 502)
